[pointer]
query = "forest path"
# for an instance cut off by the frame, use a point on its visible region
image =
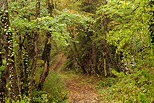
(81, 88)
(58, 63)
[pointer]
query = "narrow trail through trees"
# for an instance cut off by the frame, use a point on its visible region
(58, 62)
(81, 89)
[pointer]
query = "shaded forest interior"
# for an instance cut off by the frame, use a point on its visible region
(47, 45)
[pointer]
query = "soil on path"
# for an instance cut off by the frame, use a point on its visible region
(82, 89)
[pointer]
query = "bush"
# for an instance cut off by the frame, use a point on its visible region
(137, 87)
(104, 87)
(106, 82)
(41, 97)
(55, 87)
(132, 88)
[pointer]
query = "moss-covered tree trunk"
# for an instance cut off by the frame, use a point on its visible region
(50, 7)
(34, 62)
(2, 78)
(46, 58)
(12, 90)
(151, 23)
(47, 49)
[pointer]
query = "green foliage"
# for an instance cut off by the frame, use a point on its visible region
(1, 69)
(121, 74)
(41, 97)
(23, 100)
(132, 88)
(121, 26)
(69, 4)
(129, 32)
(106, 82)
(89, 6)
(55, 88)
(129, 29)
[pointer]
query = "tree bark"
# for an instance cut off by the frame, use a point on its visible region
(2, 78)
(47, 49)
(94, 58)
(46, 58)
(151, 23)
(36, 52)
(37, 8)
(50, 7)
(10, 70)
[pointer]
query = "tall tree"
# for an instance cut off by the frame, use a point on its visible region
(46, 58)
(47, 49)
(12, 90)
(34, 62)
(50, 8)
(151, 23)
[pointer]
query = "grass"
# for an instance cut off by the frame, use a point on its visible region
(54, 86)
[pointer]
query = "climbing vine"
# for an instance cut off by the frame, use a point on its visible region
(105, 38)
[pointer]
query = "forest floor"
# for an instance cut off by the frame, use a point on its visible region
(81, 88)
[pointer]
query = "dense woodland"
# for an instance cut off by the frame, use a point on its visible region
(112, 40)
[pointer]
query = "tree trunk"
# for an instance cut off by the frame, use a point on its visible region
(20, 65)
(94, 58)
(44, 75)
(13, 92)
(151, 23)
(50, 7)
(10, 70)
(36, 52)
(37, 8)
(47, 49)
(2, 78)
(46, 58)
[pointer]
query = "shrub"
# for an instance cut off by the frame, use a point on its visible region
(137, 87)
(106, 82)
(55, 87)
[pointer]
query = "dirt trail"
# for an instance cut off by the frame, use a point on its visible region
(81, 89)
(58, 62)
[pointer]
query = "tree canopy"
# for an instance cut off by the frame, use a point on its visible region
(104, 38)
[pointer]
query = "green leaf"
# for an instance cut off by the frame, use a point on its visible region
(1, 68)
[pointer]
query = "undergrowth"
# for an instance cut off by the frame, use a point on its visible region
(55, 86)
(137, 87)
(54, 90)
